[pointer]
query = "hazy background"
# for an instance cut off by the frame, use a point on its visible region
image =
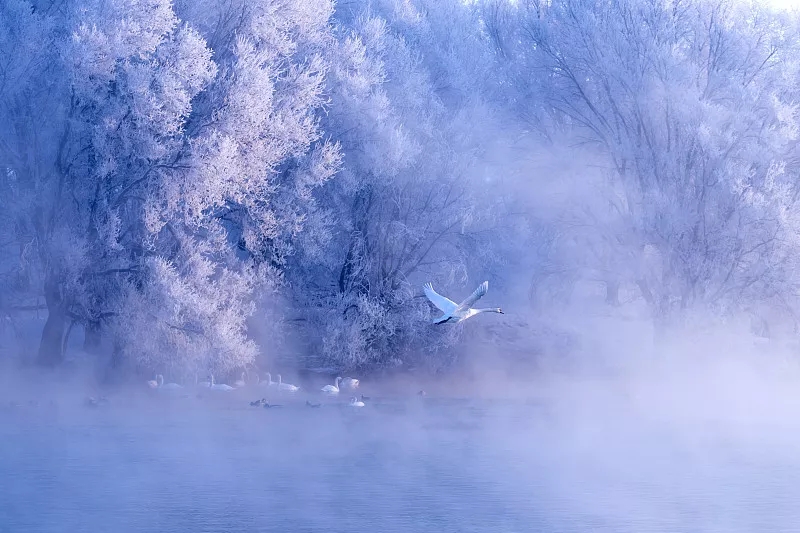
(195, 188)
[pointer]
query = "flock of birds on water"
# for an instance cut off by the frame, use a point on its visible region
(331, 390)
(452, 312)
(157, 383)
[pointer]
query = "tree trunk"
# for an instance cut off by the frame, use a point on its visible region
(612, 293)
(112, 372)
(51, 348)
(647, 294)
(91, 337)
(117, 359)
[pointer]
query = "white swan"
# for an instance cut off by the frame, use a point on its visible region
(454, 312)
(350, 383)
(332, 389)
(355, 402)
(219, 386)
(286, 386)
(239, 383)
(168, 386)
(269, 382)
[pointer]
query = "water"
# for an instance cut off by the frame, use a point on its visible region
(173, 464)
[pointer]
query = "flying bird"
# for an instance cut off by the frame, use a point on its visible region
(454, 312)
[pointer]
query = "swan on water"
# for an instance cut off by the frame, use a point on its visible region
(286, 386)
(269, 382)
(162, 385)
(239, 383)
(332, 389)
(355, 402)
(219, 386)
(350, 383)
(454, 312)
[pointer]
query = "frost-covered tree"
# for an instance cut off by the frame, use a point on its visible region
(97, 124)
(688, 102)
(172, 170)
(255, 154)
(159, 182)
(405, 205)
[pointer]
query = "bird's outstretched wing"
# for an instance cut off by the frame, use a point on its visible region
(445, 305)
(482, 289)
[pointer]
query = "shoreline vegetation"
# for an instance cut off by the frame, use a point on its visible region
(203, 186)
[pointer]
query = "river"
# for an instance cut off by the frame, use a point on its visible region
(182, 463)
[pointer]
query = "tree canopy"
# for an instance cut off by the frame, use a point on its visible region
(192, 183)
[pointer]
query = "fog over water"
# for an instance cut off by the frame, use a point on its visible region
(692, 443)
(222, 189)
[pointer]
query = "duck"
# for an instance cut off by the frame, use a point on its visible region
(268, 405)
(258, 403)
(350, 383)
(454, 312)
(91, 401)
(332, 389)
(315, 405)
(286, 386)
(355, 402)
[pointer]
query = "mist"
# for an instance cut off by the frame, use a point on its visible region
(201, 196)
